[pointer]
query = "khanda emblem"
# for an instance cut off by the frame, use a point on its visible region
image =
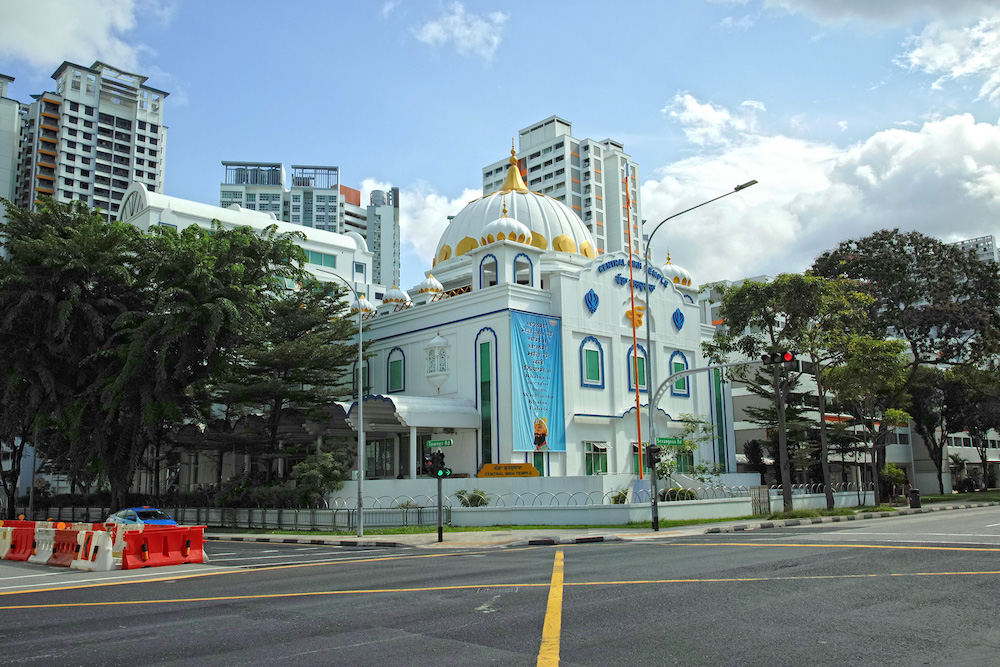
(635, 315)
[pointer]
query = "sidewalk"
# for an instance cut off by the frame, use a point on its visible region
(545, 536)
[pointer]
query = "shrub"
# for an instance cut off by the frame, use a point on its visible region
(619, 497)
(475, 498)
(677, 493)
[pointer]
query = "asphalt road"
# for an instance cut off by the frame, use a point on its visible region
(919, 589)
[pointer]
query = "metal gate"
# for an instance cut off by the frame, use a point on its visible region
(760, 500)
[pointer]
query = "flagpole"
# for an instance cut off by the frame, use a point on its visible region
(633, 316)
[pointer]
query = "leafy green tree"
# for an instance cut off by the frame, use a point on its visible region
(927, 394)
(295, 364)
(822, 314)
(118, 323)
(756, 323)
(942, 302)
(973, 405)
(322, 472)
(867, 383)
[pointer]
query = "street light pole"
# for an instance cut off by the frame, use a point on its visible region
(361, 403)
(652, 353)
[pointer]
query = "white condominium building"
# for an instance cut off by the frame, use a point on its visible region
(313, 196)
(982, 247)
(585, 174)
(383, 235)
(90, 139)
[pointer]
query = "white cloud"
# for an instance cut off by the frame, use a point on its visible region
(955, 53)
(470, 34)
(423, 216)
(44, 34)
(388, 8)
(709, 124)
(842, 125)
(942, 179)
(743, 23)
(892, 12)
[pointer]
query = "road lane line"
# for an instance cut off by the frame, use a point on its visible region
(548, 655)
(820, 545)
(474, 587)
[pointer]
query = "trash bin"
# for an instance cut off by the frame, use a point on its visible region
(914, 498)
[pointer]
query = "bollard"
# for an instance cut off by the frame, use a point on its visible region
(914, 498)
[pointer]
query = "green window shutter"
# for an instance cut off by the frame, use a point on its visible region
(642, 371)
(592, 360)
(396, 375)
(330, 261)
(680, 384)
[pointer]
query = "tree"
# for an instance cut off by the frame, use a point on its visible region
(118, 324)
(322, 472)
(295, 362)
(942, 302)
(867, 384)
(756, 323)
(927, 393)
(973, 405)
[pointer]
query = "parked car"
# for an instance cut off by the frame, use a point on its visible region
(149, 516)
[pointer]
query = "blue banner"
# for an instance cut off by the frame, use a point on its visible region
(536, 357)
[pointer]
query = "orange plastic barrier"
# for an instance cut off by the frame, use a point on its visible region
(21, 541)
(156, 546)
(64, 548)
(16, 523)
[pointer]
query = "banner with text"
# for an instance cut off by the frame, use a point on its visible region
(536, 354)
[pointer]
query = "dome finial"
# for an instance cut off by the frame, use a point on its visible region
(513, 181)
(504, 200)
(668, 255)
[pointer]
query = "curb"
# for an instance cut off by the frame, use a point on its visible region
(837, 519)
(550, 541)
(306, 540)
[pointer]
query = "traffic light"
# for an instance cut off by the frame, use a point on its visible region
(440, 469)
(437, 468)
(782, 357)
(652, 456)
(428, 465)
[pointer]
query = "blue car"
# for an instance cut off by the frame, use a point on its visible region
(137, 516)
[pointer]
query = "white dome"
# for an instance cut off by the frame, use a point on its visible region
(554, 226)
(504, 228)
(395, 295)
(362, 304)
(677, 274)
(430, 284)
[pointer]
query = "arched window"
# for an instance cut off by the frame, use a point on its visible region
(523, 269)
(591, 363)
(488, 271)
(395, 372)
(680, 386)
(364, 377)
(641, 364)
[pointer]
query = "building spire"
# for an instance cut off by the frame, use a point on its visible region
(513, 181)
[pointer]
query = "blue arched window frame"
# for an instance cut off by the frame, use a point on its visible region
(487, 335)
(591, 343)
(531, 268)
(629, 369)
(389, 389)
(677, 359)
(496, 268)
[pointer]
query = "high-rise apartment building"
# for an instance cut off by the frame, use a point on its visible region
(982, 247)
(314, 197)
(586, 174)
(383, 235)
(10, 139)
(100, 130)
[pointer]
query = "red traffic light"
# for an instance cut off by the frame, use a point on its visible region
(783, 357)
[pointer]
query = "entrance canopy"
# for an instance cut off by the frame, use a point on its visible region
(395, 413)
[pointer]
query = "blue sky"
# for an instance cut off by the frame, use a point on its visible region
(853, 115)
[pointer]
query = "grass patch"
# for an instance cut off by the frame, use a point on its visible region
(992, 496)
